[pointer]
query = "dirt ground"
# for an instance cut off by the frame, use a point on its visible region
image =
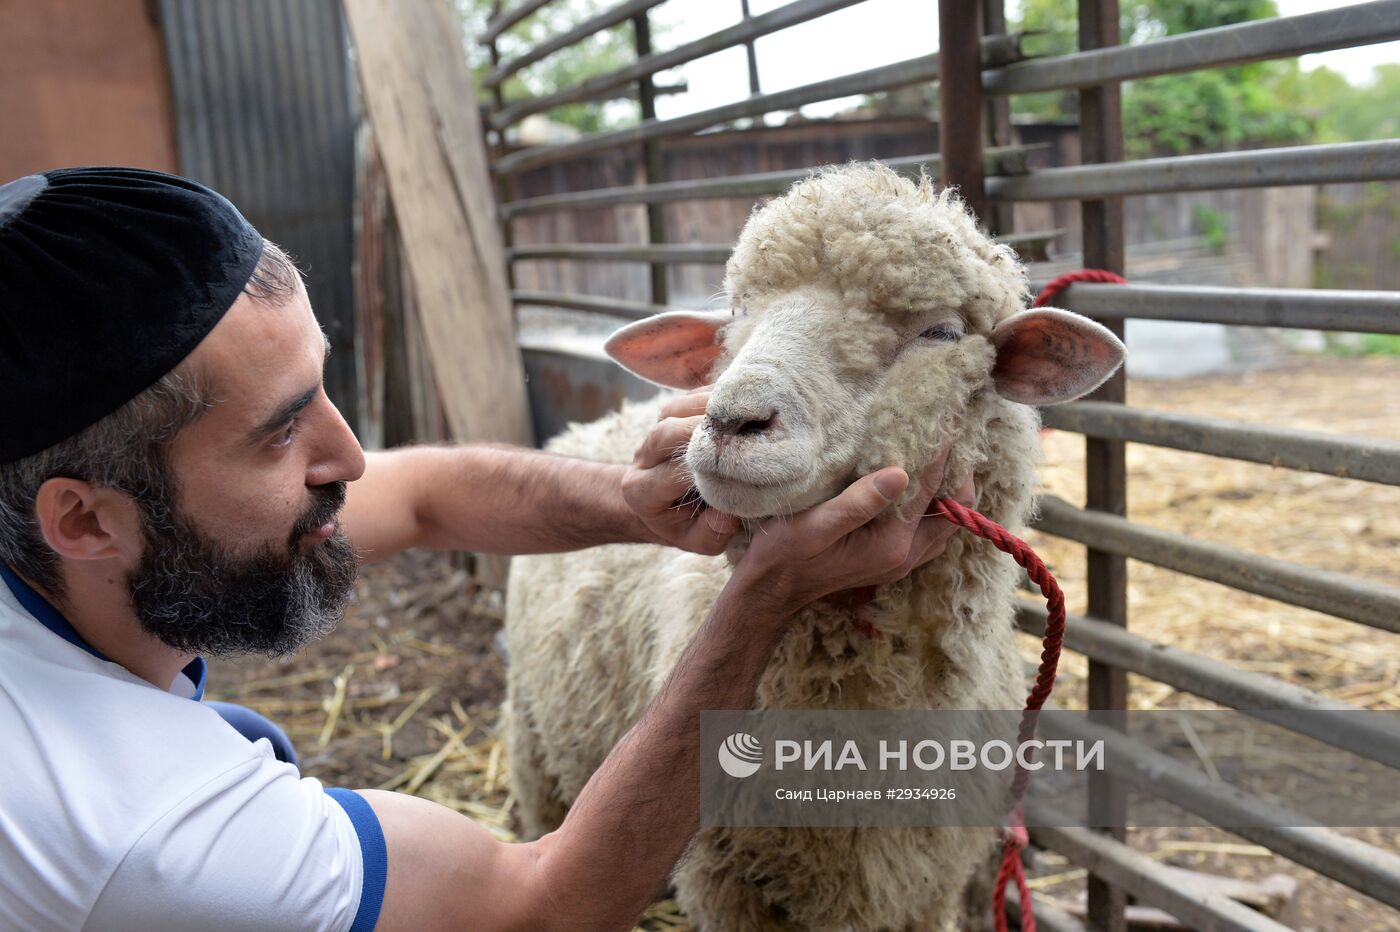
(405, 694)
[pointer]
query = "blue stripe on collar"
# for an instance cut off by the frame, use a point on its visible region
(197, 671)
(43, 611)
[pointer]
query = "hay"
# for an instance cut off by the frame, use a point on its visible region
(1335, 524)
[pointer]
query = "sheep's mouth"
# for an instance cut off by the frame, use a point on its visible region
(757, 498)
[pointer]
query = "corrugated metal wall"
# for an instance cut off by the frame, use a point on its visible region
(265, 112)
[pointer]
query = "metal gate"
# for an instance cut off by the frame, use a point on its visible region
(978, 68)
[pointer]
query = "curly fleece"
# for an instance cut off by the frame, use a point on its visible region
(880, 241)
(593, 634)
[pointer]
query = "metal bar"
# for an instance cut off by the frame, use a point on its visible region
(654, 171)
(1153, 883)
(1255, 168)
(1365, 868)
(1362, 24)
(1308, 309)
(697, 253)
(1220, 682)
(1010, 160)
(618, 307)
(1295, 584)
(604, 20)
(750, 50)
(960, 102)
(743, 33)
(1105, 463)
(1287, 448)
(912, 71)
(1047, 917)
(499, 24)
(630, 93)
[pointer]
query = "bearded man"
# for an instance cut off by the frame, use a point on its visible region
(174, 482)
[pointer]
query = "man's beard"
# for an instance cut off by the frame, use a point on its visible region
(195, 596)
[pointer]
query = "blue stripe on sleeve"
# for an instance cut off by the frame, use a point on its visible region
(374, 852)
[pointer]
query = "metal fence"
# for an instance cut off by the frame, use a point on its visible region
(978, 67)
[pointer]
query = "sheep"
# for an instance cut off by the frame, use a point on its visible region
(871, 323)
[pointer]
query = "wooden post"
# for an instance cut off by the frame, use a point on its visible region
(504, 189)
(652, 163)
(1001, 216)
(421, 98)
(1106, 476)
(960, 101)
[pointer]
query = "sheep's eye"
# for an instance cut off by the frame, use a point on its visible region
(945, 332)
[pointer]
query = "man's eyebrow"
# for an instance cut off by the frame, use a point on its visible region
(284, 414)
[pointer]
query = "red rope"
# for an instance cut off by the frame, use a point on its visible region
(1016, 837)
(1057, 285)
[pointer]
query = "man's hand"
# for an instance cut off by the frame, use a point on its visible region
(659, 489)
(844, 544)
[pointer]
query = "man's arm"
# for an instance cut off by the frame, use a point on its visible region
(487, 499)
(509, 500)
(633, 819)
(622, 835)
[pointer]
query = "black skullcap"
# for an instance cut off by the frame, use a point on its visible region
(109, 277)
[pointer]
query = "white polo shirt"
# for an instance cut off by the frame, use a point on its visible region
(123, 806)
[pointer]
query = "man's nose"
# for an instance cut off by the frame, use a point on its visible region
(341, 458)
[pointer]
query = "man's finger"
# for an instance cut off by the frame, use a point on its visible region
(931, 539)
(858, 505)
(661, 488)
(667, 440)
(966, 493)
(929, 482)
(721, 523)
(687, 405)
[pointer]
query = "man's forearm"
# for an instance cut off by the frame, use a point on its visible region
(636, 815)
(509, 500)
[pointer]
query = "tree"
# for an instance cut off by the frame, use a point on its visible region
(1223, 108)
(599, 53)
(1343, 112)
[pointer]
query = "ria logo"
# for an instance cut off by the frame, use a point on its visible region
(740, 755)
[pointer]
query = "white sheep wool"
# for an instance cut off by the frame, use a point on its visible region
(871, 323)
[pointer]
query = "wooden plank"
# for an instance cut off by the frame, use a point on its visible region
(422, 102)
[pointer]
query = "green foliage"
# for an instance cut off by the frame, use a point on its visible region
(1178, 16)
(602, 52)
(1227, 108)
(1344, 112)
(1214, 226)
(1387, 344)
(1209, 110)
(1362, 344)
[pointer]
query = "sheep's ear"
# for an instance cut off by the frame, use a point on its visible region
(1046, 356)
(675, 349)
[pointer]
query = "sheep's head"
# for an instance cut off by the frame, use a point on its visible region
(866, 314)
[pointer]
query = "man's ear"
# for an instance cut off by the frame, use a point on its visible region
(82, 521)
(1046, 356)
(675, 349)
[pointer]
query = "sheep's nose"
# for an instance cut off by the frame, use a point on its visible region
(741, 425)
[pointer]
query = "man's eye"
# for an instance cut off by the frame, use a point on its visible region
(941, 332)
(285, 437)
